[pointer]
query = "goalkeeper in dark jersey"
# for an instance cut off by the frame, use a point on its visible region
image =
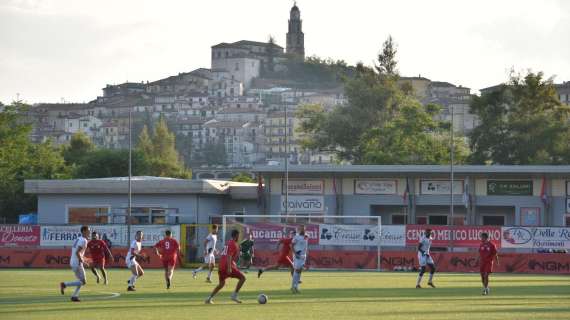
(246, 252)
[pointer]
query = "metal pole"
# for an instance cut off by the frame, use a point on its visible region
(286, 163)
(130, 175)
(452, 177)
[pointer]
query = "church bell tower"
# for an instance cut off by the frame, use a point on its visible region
(295, 36)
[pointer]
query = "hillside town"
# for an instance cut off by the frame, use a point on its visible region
(234, 106)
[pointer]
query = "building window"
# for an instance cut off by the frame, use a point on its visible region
(87, 215)
(399, 219)
(493, 220)
(568, 220)
(421, 220)
(438, 220)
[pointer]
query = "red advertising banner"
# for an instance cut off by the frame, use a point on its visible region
(463, 236)
(19, 235)
(59, 258)
(541, 263)
(273, 232)
(546, 263)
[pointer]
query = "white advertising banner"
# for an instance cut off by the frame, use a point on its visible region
(305, 187)
(303, 204)
(348, 235)
(536, 237)
(441, 187)
(64, 235)
(393, 236)
(375, 187)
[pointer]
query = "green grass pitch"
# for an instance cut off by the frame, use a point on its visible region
(34, 294)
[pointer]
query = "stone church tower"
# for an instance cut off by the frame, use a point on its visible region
(295, 36)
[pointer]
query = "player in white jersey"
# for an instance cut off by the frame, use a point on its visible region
(131, 260)
(76, 263)
(425, 258)
(300, 245)
(209, 254)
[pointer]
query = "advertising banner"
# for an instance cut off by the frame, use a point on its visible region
(463, 236)
(59, 236)
(349, 235)
(264, 233)
(19, 235)
(303, 204)
(509, 188)
(438, 187)
(59, 258)
(546, 263)
(393, 236)
(375, 187)
(536, 237)
(305, 187)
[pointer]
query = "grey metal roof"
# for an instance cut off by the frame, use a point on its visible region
(417, 169)
(140, 185)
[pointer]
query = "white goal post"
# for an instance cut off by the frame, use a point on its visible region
(337, 242)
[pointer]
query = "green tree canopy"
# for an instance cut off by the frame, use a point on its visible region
(20, 159)
(521, 122)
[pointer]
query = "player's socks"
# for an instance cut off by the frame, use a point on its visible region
(132, 280)
(167, 283)
(62, 288)
(72, 284)
(259, 272)
(430, 277)
(419, 280)
(209, 274)
(76, 292)
(235, 298)
(209, 300)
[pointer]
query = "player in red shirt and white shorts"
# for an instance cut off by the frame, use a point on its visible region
(168, 250)
(487, 253)
(228, 268)
(284, 259)
(98, 250)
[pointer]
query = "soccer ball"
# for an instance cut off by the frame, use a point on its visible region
(262, 299)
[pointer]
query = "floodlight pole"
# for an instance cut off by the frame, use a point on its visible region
(286, 161)
(130, 175)
(452, 174)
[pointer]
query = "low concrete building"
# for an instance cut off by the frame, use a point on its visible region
(482, 195)
(154, 200)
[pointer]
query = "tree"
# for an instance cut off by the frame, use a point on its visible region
(522, 123)
(102, 163)
(243, 177)
(160, 153)
(382, 123)
(387, 58)
(413, 137)
(184, 148)
(79, 147)
(20, 160)
(271, 54)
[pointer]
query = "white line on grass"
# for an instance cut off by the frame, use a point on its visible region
(111, 295)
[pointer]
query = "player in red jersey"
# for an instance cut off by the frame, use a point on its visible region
(168, 250)
(487, 253)
(284, 259)
(99, 251)
(228, 268)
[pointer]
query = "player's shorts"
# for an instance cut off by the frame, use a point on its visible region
(79, 271)
(98, 263)
(299, 263)
(209, 258)
(169, 262)
(285, 261)
(132, 263)
(425, 260)
(223, 275)
(486, 267)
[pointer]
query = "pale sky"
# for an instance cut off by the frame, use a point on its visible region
(69, 49)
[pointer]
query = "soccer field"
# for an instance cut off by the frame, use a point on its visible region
(34, 294)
